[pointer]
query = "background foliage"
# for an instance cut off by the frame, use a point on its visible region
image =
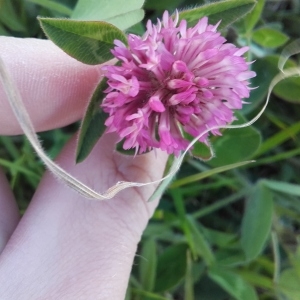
(218, 233)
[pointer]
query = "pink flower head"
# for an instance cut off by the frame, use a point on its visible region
(172, 80)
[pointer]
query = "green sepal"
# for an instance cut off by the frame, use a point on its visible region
(92, 126)
(199, 149)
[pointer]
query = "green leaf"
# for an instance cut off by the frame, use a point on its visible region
(197, 242)
(256, 279)
(189, 279)
(53, 5)
(283, 187)
(122, 14)
(184, 224)
(230, 257)
(254, 16)
(171, 163)
(291, 22)
(137, 29)
(235, 145)
(171, 267)
(279, 138)
(92, 125)
(228, 11)
(160, 231)
(146, 295)
(289, 284)
(219, 238)
(8, 16)
(221, 203)
(14, 167)
(277, 157)
(161, 188)
(233, 284)
(162, 5)
(204, 174)
(87, 41)
(207, 289)
(288, 89)
(148, 264)
(269, 38)
(257, 221)
(3, 31)
(202, 246)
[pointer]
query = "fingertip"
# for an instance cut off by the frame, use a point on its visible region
(55, 87)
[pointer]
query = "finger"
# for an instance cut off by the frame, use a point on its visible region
(9, 213)
(78, 248)
(54, 87)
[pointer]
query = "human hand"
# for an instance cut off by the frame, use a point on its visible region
(66, 246)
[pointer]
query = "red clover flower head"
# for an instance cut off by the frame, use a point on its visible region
(172, 80)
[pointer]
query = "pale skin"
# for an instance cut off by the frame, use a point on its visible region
(66, 246)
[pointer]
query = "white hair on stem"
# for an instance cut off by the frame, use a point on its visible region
(23, 118)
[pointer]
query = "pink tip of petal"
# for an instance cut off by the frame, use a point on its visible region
(109, 121)
(156, 104)
(241, 51)
(182, 28)
(149, 27)
(178, 83)
(176, 17)
(165, 137)
(166, 19)
(184, 97)
(129, 144)
(202, 25)
(134, 90)
(127, 131)
(179, 66)
(208, 94)
(137, 115)
(214, 28)
(201, 82)
(245, 75)
(119, 44)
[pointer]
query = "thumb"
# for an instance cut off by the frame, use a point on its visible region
(69, 247)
